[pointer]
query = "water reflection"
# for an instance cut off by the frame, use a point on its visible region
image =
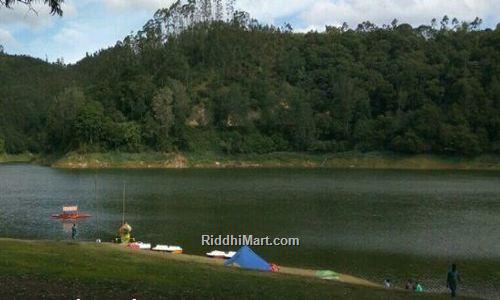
(67, 226)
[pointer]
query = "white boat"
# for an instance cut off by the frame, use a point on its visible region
(140, 246)
(220, 254)
(144, 246)
(216, 254)
(166, 248)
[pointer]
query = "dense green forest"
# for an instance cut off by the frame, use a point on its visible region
(194, 80)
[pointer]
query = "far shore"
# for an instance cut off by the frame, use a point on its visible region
(17, 158)
(350, 160)
(210, 160)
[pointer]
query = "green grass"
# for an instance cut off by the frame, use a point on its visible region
(480, 275)
(43, 269)
(120, 160)
(354, 160)
(16, 158)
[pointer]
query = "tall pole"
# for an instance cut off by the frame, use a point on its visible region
(96, 204)
(123, 204)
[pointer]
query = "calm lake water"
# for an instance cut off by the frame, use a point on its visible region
(375, 224)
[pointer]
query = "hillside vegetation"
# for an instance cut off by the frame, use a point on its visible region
(200, 77)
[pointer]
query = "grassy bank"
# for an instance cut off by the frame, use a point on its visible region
(42, 269)
(353, 160)
(482, 274)
(16, 158)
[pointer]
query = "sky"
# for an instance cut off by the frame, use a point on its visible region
(90, 25)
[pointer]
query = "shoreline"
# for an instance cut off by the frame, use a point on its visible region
(85, 263)
(205, 260)
(16, 158)
(350, 160)
(292, 160)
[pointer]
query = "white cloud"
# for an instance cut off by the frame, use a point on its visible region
(269, 11)
(7, 40)
(72, 41)
(309, 28)
(415, 12)
(69, 35)
(317, 13)
(121, 5)
(90, 25)
(36, 16)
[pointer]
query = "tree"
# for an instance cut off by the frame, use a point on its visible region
(231, 107)
(408, 143)
(444, 22)
(62, 117)
(2, 145)
(476, 24)
(193, 81)
(89, 125)
(162, 107)
(124, 136)
(459, 140)
(374, 134)
(301, 127)
(394, 23)
(55, 5)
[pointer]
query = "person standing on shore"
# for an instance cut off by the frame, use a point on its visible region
(418, 287)
(409, 285)
(387, 283)
(73, 232)
(452, 280)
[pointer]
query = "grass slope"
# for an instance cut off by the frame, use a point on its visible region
(16, 158)
(43, 269)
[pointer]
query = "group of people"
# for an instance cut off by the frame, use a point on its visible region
(414, 285)
(410, 285)
(452, 281)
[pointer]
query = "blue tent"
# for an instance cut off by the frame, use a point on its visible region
(247, 259)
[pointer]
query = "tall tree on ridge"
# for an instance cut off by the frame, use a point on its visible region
(55, 5)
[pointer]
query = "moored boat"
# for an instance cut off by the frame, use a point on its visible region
(169, 249)
(221, 254)
(70, 213)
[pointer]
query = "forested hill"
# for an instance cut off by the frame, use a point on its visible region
(192, 80)
(27, 87)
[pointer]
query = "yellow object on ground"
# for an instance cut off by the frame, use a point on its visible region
(125, 238)
(124, 233)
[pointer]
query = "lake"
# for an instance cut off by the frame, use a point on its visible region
(375, 224)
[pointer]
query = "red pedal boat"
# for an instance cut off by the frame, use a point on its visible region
(70, 213)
